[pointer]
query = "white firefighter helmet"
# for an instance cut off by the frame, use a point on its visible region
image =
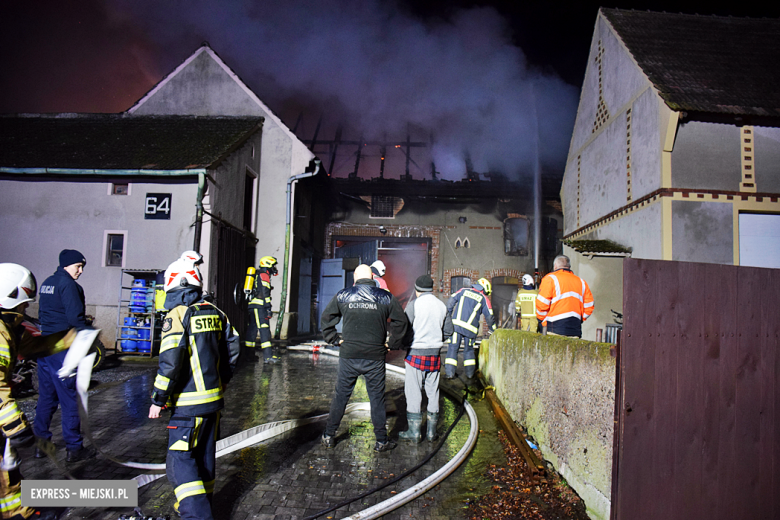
(380, 267)
(182, 273)
(193, 256)
(17, 285)
(528, 279)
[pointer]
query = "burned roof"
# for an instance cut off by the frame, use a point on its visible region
(710, 64)
(121, 142)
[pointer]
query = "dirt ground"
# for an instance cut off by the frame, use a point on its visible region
(516, 494)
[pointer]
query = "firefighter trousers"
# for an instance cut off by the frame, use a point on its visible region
(191, 463)
(469, 359)
(258, 330)
(11, 495)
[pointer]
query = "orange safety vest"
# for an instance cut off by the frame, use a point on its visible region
(562, 294)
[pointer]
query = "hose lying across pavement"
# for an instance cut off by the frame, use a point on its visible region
(269, 430)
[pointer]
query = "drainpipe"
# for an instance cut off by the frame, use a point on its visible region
(284, 304)
(199, 211)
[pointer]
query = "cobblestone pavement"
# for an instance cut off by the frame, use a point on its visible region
(290, 476)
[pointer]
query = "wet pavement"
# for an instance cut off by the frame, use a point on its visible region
(290, 476)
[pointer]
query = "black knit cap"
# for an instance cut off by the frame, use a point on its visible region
(424, 283)
(70, 257)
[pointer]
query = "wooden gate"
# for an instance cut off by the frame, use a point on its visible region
(697, 404)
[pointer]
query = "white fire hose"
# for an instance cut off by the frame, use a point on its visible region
(256, 434)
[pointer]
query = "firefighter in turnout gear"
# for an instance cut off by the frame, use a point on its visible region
(198, 353)
(465, 307)
(525, 305)
(258, 329)
(17, 289)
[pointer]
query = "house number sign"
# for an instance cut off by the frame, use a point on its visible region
(157, 206)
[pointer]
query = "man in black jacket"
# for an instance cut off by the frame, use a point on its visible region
(365, 310)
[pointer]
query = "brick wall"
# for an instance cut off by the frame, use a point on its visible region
(446, 284)
(397, 231)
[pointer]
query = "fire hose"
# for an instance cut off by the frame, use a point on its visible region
(267, 431)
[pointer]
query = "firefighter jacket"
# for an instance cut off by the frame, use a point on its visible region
(525, 305)
(16, 340)
(365, 310)
(263, 290)
(564, 302)
(198, 353)
(465, 306)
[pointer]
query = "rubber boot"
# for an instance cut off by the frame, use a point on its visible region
(413, 434)
(433, 419)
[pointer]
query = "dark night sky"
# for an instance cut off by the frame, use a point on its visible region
(477, 67)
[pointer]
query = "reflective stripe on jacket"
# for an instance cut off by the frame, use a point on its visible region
(562, 294)
(465, 306)
(198, 352)
(525, 303)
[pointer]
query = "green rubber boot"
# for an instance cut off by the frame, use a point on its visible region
(413, 434)
(433, 419)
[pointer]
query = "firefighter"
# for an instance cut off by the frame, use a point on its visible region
(198, 353)
(259, 323)
(17, 289)
(465, 306)
(525, 305)
(378, 270)
(564, 300)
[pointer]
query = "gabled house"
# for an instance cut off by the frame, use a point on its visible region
(675, 153)
(203, 85)
(128, 192)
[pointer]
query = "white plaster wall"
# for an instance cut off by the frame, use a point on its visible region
(41, 218)
(767, 159)
(645, 145)
(603, 184)
(602, 176)
(640, 230)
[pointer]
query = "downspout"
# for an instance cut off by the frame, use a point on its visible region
(284, 304)
(199, 211)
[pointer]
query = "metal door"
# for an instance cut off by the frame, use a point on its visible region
(331, 282)
(304, 296)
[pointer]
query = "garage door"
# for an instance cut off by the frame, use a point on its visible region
(759, 240)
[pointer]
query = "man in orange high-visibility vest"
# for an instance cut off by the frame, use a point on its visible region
(564, 300)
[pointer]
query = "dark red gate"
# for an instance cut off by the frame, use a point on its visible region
(698, 399)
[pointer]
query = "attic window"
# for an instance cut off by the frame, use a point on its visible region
(385, 206)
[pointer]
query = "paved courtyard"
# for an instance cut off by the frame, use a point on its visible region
(290, 476)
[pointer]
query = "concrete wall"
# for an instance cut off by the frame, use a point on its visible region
(562, 390)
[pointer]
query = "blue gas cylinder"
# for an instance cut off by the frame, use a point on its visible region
(138, 295)
(129, 336)
(144, 337)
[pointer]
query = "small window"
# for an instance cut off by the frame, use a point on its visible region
(115, 248)
(382, 206)
(120, 189)
(516, 232)
(458, 243)
(459, 282)
(466, 243)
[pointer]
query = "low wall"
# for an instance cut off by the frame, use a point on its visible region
(562, 390)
